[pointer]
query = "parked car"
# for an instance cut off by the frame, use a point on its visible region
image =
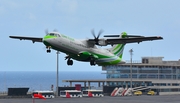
(138, 93)
(151, 92)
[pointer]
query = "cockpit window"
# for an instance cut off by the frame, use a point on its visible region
(54, 34)
(58, 35)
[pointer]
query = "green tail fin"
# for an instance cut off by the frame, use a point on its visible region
(118, 48)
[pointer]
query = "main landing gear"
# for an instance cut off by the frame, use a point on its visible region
(69, 62)
(92, 62)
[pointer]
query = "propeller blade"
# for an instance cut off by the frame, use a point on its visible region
(55, 30)
(100, 32)
(92, 31)
(46, 31)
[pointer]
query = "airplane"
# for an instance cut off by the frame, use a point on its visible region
(86, 50)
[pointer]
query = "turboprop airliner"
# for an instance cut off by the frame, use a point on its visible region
(86, 50)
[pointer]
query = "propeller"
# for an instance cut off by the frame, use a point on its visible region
(96, 38)
(55, 30)
(46, 31)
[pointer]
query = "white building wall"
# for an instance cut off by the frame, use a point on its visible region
(169, 93)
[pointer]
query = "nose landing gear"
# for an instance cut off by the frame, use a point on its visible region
(48, 49)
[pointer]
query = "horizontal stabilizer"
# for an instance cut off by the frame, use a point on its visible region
(126, 36)
(134, 36)
(111, 35)
(132, 40)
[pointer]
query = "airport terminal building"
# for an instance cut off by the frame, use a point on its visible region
(152, 72)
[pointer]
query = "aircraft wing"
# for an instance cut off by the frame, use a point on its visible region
(33, 39)
(131, 40)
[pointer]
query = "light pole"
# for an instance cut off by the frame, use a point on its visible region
(57, 75)
(131, 53)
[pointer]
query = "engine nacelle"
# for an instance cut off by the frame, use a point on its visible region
(102, 42)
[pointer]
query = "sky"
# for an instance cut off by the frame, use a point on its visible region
(76, 18)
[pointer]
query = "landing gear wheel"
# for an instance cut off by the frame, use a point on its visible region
(92, 63)
(69, 62)
(48, 51)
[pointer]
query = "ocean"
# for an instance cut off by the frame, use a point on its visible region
(43, 80)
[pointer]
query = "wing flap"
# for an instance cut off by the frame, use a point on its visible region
(33, 39)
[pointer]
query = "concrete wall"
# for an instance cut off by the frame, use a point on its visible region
(153, 60)
(169, 93)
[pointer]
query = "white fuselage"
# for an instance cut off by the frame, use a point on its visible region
(74, 46)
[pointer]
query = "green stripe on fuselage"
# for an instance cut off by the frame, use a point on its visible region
(49, 37)
(84, 58)
(110, 63)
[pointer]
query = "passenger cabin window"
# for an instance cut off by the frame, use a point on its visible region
(54, 34)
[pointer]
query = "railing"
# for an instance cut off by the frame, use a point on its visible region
(134, 61)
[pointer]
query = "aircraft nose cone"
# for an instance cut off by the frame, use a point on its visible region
(47, 42)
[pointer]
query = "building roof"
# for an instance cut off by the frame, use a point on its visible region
(126, 80)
